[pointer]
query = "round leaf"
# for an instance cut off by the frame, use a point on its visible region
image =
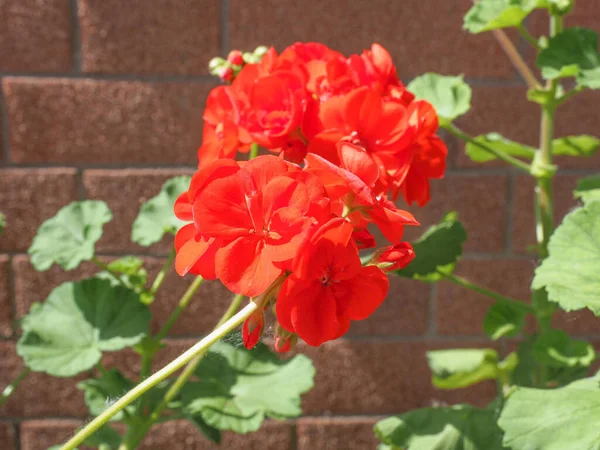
(488, 15)
(450, 96)
(571, 272)
(458, 427)
(156, 216)
(67, 334)
(503, 319)
(69, 237)
(553, 419)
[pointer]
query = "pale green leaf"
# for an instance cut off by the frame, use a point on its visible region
(583, 145)
(239, 388)
(68, 332)
(572, 53)
(69, 237)
(449, 95)
(459, 427)
(553, 419)
(156, 217)
(571, 272)
(499, 143)
(486, 15)
(588, 189)
(458, 368)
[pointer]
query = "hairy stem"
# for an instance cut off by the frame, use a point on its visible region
(515, 59)
(453, 129)
(158, 281)
(8, 390)
(183, 302)
(139, 434)
(159, 376)
(485, 291)
(253, 151)
(528, 37)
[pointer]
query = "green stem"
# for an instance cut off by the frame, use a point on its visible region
(528, 37)
(199, 348)
(487, 292)
(137, 437)
(115, 275)
(516, 59)
(183, 302)
(158, 281)
(253, 151)
(8, 390)
(453, 129)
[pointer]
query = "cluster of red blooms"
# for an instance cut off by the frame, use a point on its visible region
(347, 139)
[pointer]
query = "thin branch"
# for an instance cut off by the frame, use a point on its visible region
(516, 59)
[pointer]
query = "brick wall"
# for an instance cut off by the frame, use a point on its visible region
(103, 99)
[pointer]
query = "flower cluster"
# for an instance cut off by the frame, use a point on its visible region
(347, 139)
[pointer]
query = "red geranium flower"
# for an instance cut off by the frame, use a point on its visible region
(329, 287)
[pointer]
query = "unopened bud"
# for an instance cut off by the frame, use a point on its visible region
(253, 329)
(393, 258)
(226, 73)
(215, 65)
(235, 57)
(284, 340)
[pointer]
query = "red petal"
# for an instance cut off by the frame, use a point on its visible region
(183, 207)
(367, 291)
(357, 161)
(195, 256)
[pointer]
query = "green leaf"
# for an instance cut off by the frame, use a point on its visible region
(556, 419)
(459, 427)
(131, 271)
(571, 272)
(68, 332)
(488, 15)
(239, 388)
(497, 142)
(2, 223)
(69, 237)
(575, 146)
(503, 320)
(106, 438)
(212, 433)
(588, 189)
(156, 216)
(458, 368)
(556, 348)
(449, 95)
(437, 249)
(572, 53)
(100, 392)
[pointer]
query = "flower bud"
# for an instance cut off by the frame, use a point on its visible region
(226, 73)
(215, 64)
(253, 329)
(235, 57)
(260, 51)
(393, 258)
(284, 339)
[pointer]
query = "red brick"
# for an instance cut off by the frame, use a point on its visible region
(104, 122)
(35, 36)
(168, 37)
(30, 196)
(7, 436)
(523, 227)
(460, 311)
(5, 302)
(124, 191)
(481, 205)
(41, 434)
(353, 433)
(375, 377)
(350, 27)
(577, 323)
(405, 312)
(39, 395)
(182, 435)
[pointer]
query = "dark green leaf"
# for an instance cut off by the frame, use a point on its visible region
(100, 392)
(156, 216)
(583, 145)
(238, 388)
(437, 249)
(556, 348)
(69, 237)
(503, 320)
(571, 273)
(458, 368)
(212, 433)
(459, 427)
(487, 15)
(553, 419)
(106, 438)
(67, 334)
(588, 189)
(450, 96)
(572, 53)
(499, 143)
